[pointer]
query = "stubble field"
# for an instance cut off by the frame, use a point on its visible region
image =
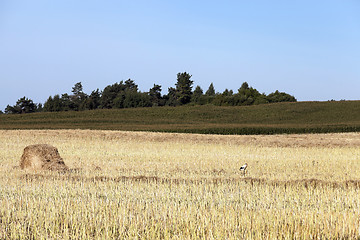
(136, 185)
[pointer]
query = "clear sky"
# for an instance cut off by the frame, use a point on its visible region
(309, 49)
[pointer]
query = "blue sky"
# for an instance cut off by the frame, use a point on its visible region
(309, 49)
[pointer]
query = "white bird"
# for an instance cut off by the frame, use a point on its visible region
(243, 168)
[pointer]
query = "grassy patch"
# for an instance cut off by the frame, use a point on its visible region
(301, 117)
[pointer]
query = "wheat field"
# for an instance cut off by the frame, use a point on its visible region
(137, 185)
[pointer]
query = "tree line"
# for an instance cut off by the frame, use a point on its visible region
(126, 94)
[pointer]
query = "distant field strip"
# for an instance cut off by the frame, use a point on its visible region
(280, 118)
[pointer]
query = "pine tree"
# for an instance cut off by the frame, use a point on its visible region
(211, 90)
(79, 97)
(184, 88)
(23, 105)
(198, 93)
(155, 95)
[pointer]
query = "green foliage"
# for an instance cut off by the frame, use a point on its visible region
(280, 97)
(171, 97)
(197, 95)
(155, 96)
(66, 103)
(124, 95)
(133, 99)
(78, 98)
(94, 100)
(110, 93)
(227, 93)
(211, 90)
(23, 105)
(247, 95)
(183, 88)
(54, 104)
(75, 102)
(127, 95)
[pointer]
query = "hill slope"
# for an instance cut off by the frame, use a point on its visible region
(300, 117)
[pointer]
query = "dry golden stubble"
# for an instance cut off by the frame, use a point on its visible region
(182, 186)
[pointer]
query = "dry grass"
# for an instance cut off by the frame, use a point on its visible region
(158, 185)
(42, 157)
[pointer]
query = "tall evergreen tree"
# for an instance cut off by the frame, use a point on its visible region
(94, 100)
(171, 97)
(53, 104)
(184, 88)
(198, 93)
(78, 97)
(130, 85)
(77, 89)
(227, 92)
(247, 95)
(67, 103)
(211, 90)
(155, 95)
(244, 86)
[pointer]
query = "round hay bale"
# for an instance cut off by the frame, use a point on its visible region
(42, 157)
